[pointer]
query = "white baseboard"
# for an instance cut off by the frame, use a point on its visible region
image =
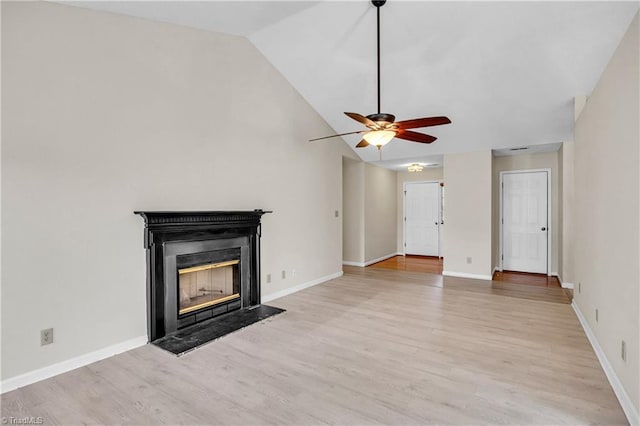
(370, 262)
(626, 403)
(295, 289)
(495, 269)
(563, 284)
(380, 259)
(465, 275)
(30, 377)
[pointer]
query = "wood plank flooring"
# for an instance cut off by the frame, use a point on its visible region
(372, 347)
(540, 280)
(410, 263)
(513, 284)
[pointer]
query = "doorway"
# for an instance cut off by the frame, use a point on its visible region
(525, 221)
(422, 218)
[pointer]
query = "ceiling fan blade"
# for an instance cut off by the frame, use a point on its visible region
(361, 118)
(335, 136)
(415, 136)
(362, 144)
(422, 122)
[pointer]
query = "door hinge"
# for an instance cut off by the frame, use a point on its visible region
(502, 257)
(502, 221)
(405, 218)
(405, 244)
(405, 192)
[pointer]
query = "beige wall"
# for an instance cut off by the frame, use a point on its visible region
(104, 114)
(379, 212)
(606, 233)
(467, 213)
(430, 174)
(353, 211)
(547, 160)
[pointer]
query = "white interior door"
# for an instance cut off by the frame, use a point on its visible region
(525, 227)
(422, 218)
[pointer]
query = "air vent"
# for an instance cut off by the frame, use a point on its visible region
(519, 149)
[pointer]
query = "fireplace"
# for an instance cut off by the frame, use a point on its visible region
(200, 265)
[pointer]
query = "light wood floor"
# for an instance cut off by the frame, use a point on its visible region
(372, 347)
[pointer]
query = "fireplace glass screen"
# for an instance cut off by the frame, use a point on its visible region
(206, 285)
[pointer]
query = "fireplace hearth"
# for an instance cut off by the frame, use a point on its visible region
(200, 265)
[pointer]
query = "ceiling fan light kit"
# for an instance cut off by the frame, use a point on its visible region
(382, 127)
(415, 167)
(379, 138)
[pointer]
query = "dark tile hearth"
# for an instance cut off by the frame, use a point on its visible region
(202, 333)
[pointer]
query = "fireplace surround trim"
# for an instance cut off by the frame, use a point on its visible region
(166, 230)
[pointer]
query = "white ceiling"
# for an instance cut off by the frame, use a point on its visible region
(505, 73)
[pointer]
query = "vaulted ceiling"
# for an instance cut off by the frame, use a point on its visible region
(505, 73)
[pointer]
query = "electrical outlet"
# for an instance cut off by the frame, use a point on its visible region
(596, 315)
(46, 336)
(469, 260)
(268, 278)
(623, 351)
(284, 274)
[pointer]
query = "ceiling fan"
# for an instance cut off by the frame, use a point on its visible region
(382, 127)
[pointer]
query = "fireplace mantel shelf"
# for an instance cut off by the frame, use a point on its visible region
(173, 218)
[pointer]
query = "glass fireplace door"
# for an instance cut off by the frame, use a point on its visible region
(205, 285)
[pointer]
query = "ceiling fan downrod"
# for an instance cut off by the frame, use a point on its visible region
(378, 4)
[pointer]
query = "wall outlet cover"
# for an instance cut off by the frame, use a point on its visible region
(46, 336)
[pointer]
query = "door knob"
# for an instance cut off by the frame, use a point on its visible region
(544, 229)
(436, 223)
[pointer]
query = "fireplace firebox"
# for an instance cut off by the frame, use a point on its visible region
(199, 265)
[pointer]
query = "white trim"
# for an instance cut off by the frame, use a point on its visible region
(562, 283)
(404, 213)
(618, 389)
(34, 376)
(371, 262)
(297, 288)
(380, 259)
(465, 275)
(549, 214)
(350, 263)
(495, 269)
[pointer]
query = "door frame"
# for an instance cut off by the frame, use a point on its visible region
(404, 214)
(549, 224)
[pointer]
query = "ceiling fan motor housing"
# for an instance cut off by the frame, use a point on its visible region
(378, 3)
(382, 117)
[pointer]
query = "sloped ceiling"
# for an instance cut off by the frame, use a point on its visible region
(504, 72)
